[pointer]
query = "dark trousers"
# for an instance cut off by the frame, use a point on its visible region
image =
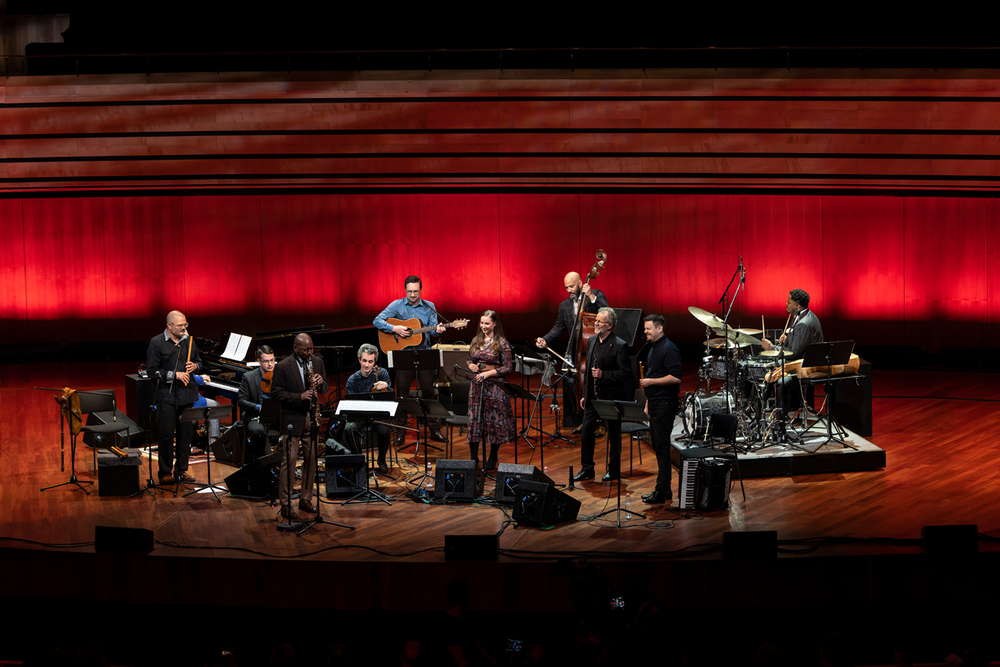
(288, 460)
(355, 435)
(661, 424)
(590, 421)
(425, 379)
(167, 415)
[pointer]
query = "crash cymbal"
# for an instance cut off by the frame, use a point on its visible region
(740, 338)
(720, 343)
(705, 317)
(750, 332)
(776, 353)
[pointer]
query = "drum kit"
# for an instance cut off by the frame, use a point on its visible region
(749, 387)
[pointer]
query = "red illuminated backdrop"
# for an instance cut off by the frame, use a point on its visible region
(881, 270)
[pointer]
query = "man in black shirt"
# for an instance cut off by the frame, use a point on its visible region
(662, 388)
(167, 361)
(366, 381)
(608, 369)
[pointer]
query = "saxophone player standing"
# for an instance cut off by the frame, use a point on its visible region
(297, 382)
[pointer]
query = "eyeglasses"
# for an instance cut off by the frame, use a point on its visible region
(179, 326)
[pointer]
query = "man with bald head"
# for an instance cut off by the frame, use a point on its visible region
(292, 385)
(167, 363)
(593, 300)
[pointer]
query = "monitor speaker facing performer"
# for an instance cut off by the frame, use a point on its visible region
(542, 504)
(457, 479)
(508, 477)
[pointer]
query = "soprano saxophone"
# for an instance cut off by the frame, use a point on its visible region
(314, 387)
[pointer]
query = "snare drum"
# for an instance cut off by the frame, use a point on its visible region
(699, 408)
(755, 369)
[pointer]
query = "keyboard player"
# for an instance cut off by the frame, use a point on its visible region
(250, 397)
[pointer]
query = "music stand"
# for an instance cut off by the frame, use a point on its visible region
(367, 410)
(829, 354)
(528, 362)
(426, 408)
(199, 414)
(417, 360)
(620, 411)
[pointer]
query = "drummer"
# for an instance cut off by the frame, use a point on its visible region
(803, 329)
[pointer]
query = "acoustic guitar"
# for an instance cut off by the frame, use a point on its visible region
(390, 342)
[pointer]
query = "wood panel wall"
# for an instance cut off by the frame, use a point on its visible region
(247, 202)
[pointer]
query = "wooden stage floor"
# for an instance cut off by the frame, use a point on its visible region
(938, 429)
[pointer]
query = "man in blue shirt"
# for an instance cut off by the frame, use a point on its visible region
(404, 309)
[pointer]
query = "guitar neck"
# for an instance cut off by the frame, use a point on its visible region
(426, 329)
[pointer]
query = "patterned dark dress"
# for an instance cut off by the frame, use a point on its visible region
(496, 424)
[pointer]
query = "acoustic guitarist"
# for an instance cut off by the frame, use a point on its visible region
(409, 307)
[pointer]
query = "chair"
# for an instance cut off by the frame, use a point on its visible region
(459, 396)
(724, 426)
(102, 400)
(632, 429)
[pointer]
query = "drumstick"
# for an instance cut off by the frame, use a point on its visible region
(785, 328)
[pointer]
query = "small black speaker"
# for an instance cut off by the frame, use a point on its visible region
(457, 479)
(230, 446)
(471, 547)
(950, 540)
(123, 540)
(134, 437)
(750, 544)
(139, 400)
(508, 476)
(257, 480)
(543, 504)
(346, 474)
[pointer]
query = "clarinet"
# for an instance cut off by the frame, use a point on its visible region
(314, 386)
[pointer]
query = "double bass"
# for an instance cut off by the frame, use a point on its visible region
(583, 329)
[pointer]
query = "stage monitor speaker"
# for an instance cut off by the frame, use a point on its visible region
(471, 547)
(750, 544)
(230, 446)
(257, 480)
(139, 400)
(543, 504)
(111, 539)
(457, 479)
(346, 475)
(134, 438)
(961, 540)
(508, 476)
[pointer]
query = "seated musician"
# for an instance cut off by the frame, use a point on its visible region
(250, 398)
(404, 309)
(366, 381)
(803, 331)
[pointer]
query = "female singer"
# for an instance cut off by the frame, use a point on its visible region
(491, 419)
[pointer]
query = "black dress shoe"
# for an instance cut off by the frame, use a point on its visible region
(491, 464)
(656, 498)
(578, 430)
(382, 468)
(584, 474)
(400, 438)
(437, 436)
(610, 477)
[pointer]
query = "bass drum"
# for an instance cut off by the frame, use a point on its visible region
(698, 409)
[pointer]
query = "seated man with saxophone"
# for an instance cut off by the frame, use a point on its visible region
(369, 379)
(252, 392)
(805, 330)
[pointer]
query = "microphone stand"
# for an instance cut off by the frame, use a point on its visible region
(314, 447)
(290, 525)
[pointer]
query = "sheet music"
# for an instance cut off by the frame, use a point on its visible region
(380, 407)
(236, 348)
